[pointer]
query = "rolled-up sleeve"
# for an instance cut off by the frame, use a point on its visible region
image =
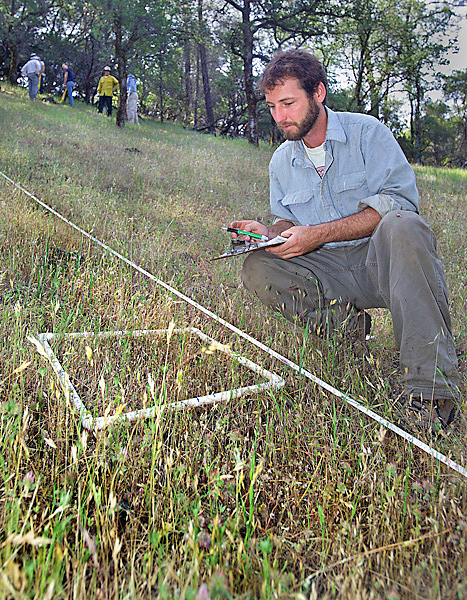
(389, 175)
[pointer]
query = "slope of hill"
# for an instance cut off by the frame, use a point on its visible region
(283, 494)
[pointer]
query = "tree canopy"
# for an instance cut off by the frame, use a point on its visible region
(197, 62)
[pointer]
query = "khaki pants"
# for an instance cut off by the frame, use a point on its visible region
(131, 108)
(398, 269)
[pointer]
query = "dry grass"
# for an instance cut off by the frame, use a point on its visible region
(131, 373)
(288, 494)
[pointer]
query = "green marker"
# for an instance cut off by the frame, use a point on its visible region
(256, 236)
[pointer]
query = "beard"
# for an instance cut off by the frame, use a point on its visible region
(303, 127)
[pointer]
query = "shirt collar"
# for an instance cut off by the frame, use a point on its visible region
(334, 129)
(334, 132)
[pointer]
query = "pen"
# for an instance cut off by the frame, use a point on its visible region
(256, 236)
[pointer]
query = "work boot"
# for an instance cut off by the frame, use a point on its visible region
(363, 324)
(447, 411)
(359, 334)
(430, 416)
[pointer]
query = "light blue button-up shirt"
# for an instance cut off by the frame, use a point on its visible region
(130, 84)
(364, 166)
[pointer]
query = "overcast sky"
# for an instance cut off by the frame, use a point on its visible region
(459, 60)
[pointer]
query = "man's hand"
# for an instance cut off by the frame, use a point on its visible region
(300, 240)
(253, 226)
(303, 239)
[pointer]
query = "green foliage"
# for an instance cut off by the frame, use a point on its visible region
(370, 48)
(440, 142)
(20, 26)
(341, 100)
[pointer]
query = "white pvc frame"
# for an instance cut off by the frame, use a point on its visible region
(97, 423)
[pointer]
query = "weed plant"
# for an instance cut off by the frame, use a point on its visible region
(285, 494)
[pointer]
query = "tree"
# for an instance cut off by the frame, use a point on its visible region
(283, 21)
(455, 90)
(438, 139)
(19, 24)
(247, 52)
(187, 38)
(183, 52)
(74, 34)
(422, 47)
(129, 24)
(204, 70)
(365, 37)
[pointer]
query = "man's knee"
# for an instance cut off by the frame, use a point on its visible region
(269, 278)
(255, 271)
(277, 282)
(402, 227)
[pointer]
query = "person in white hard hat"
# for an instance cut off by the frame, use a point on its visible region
(32, 70)
(106, 88)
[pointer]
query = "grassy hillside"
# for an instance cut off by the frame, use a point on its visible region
(282, 494)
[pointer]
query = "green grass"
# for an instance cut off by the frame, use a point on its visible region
(285, 494)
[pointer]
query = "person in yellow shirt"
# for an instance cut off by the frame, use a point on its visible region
(106, 88)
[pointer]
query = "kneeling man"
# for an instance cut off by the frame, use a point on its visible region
(345, 197)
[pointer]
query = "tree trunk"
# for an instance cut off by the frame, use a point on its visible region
(412, 118)
(358, 91)
(161, 93)
(205, 74)
(417, 122)
(275, 136)
(13, 66)
(374, 92)
(187, 73)
(251, 99)
(195, 107)
(206, 89)
(88, 91)
(121, 66)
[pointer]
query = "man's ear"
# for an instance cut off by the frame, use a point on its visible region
(320, 93)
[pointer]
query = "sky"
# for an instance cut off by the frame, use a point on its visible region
(459, 60)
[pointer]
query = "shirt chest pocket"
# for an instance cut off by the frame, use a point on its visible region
(304, 205)
(351, 182)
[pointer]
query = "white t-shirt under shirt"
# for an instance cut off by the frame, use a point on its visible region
(317, 156)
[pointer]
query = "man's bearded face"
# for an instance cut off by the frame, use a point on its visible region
(297, 130)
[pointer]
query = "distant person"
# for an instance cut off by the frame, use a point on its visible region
(132, 99)
(68, 82)
(106, 88)
(32, 70)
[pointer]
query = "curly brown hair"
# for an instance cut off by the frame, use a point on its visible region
(297, 64)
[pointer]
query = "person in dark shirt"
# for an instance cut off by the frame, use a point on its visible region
(68, 82)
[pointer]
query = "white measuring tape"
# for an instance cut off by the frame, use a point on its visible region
(384, 422)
